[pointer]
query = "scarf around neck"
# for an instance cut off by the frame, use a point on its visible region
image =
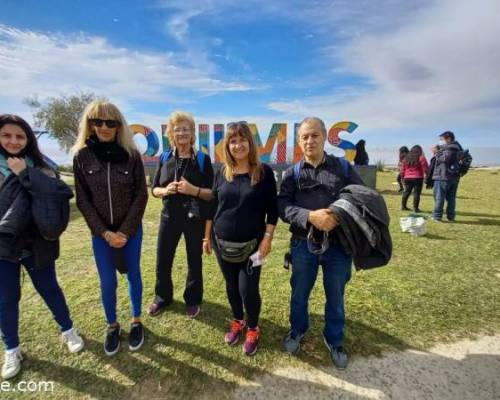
(107, 151)
(4, 167)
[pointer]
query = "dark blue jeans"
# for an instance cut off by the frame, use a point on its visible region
(103, 254)
(336, 273)
(45, 282)
(445, 190)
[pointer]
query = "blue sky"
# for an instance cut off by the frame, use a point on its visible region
(404, 70)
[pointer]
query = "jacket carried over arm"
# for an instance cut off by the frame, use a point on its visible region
(38, 214)
(364, 226)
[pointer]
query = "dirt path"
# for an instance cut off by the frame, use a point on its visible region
(462, 370)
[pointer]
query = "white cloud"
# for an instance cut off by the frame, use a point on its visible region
(54, 64)
(439, 67)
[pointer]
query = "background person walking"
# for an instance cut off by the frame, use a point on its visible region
(413, 170)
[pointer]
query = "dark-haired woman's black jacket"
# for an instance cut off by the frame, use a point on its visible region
(34, 211)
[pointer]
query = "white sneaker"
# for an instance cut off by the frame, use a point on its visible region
(12, 363)
(73, 340)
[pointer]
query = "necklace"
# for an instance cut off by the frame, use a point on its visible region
(181, 165)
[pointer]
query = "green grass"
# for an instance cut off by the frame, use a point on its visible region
(440, 287)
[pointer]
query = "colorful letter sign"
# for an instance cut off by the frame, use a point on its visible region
(277, 137)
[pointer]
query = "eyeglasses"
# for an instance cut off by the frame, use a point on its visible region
(110, 123)
(234, 124)
(317, 247)
(182, 130)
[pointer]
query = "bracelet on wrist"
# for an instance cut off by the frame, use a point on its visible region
(268, 234)
(205, 240)
(199, 191)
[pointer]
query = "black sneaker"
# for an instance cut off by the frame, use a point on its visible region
(136, 336)
(112, 343)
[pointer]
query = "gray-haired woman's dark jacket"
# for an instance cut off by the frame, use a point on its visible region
(34, 212)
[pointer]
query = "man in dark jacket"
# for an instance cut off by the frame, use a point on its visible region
(307, 190)
(446, 176)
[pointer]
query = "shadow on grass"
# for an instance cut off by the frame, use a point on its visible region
(480, 221)
(391, 192)
(360, 340)
(472, 214)
(435, 237)
(80, 380)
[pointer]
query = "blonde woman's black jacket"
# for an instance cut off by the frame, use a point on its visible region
(34, 212)
(111, 196)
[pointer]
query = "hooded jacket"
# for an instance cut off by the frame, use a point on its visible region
(364, 226)
(446, 156)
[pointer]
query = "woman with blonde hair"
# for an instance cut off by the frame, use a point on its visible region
(241, 228)
(183, 181)
(111, 194)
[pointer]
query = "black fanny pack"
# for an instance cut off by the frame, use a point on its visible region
(235, 252)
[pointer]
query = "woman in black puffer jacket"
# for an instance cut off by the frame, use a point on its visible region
(34, 211)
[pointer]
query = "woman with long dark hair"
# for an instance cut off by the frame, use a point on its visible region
(413, 169)
(361, 154)
(111, 193)
(28, 236)
(241, 229)
(403, 151)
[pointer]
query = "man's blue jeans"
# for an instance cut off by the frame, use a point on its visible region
(336, 273)
(445, 190)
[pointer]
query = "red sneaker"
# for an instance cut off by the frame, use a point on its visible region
(235, 329)
(251, 341)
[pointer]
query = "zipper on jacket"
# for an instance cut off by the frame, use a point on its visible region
(109, 193)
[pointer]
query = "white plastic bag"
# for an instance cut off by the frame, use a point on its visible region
(416, 226)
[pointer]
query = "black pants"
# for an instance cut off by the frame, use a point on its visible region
(400, 182)
(414, 185)
(242, 287)
(171, 228)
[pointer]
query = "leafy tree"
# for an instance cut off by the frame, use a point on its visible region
(60, 116)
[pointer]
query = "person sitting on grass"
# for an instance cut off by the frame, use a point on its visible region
(241, 229)
(111, 193)
(28, 236)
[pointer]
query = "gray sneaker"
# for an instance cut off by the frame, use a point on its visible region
(291, 342)
(338, 355)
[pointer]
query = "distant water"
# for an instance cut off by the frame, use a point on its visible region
(482, 156)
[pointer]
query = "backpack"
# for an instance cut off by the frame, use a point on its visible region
(461, 164)
(464, 162)
(200, 158)
(343, 163)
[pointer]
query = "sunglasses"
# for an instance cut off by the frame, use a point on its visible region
(233, 124)
(110, 123)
